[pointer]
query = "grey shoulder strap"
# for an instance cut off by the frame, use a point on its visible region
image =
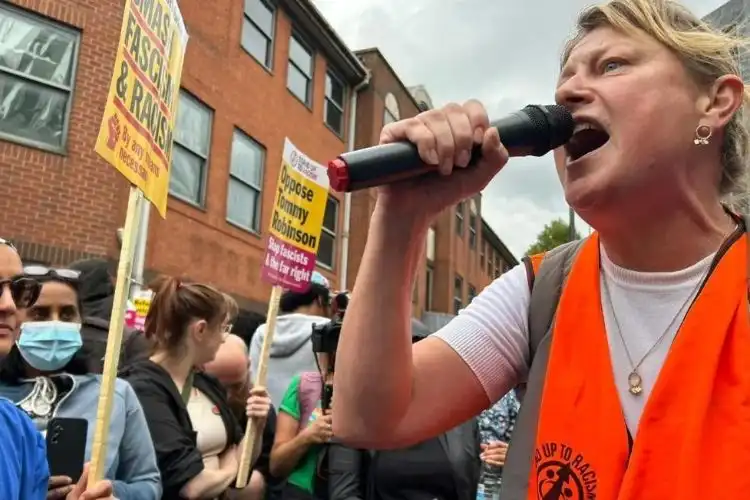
(546, 289)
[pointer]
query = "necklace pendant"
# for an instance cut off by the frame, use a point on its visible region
(635, 383)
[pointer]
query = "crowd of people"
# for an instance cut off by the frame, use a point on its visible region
(615, 361)
(183, 396)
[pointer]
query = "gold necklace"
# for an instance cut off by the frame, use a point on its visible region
(635, 381)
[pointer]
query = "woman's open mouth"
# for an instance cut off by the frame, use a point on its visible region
(588, 136)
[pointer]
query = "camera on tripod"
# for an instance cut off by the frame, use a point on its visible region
(325, 340)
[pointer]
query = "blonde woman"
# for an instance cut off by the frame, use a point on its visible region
(640, 389)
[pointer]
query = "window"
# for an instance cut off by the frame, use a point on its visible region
(299, 77)
(430, 244)
(37, 71)
(327, 246)
(489, 261)
(473, 224)
(482, 250)
(429, 280)
(391, 113)
(460, 219)
(497, 266)
(472, 293)
(192, 138)
(334, 103)
(472, 231)
(257, 31)
(458, 294)
(245, 180)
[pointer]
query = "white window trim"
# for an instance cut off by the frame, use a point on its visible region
(259, 188)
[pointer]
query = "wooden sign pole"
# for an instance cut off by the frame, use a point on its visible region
(252, 431)
(114, 339)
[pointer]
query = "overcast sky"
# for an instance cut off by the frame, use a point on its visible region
(502, 52)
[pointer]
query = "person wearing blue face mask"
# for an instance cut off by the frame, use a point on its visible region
(46, 374)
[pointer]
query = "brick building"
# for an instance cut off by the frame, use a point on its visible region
(462, 253)
(255, 72)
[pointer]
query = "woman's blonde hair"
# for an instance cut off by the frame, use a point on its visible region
(706, 52)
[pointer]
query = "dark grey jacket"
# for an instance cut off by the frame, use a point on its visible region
(350, 475)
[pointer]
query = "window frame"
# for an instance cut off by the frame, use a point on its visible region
(458, 300)
(388, 112)
(472, 231)
(333, 233)
(71, 91)
(259, 189)
(459, 216)
(302, 41)
(201, 203)
(429, 287)
(271, 41)
(330, 73)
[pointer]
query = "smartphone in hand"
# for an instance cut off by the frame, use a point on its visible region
(66, 446)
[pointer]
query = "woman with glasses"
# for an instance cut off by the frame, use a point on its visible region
(24, 474)
(196, 435)
(46, 374)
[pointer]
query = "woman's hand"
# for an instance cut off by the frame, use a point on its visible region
(445, 139)
(258, 404)
(59, 487)
(494, 453)
(321, 430)
(102, 490)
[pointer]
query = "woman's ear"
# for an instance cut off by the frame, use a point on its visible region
(199, 329)
(726, 97)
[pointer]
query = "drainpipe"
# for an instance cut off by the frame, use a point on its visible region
(139, 259)
(348, 196)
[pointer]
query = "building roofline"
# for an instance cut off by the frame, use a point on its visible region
(489, 234)
(314, 25)
(375, 50)
(729, 5)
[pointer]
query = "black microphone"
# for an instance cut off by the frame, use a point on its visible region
(535, 130)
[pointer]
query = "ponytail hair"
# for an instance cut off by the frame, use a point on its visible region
(175, 305)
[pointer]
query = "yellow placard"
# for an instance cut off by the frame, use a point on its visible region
(136, 132)
(296, 221)
(298, 209)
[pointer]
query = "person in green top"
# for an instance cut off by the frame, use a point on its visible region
(298, 444)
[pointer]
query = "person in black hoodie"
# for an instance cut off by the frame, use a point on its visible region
(196, 435)
(97, 295)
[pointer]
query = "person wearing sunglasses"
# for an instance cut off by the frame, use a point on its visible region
(24, 474)
(17, 292)
(46, 374)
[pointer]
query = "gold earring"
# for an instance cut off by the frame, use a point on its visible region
(702, 135)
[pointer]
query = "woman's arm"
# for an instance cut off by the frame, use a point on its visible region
(289, 445)
(478, 356)
(345, 481)
(137, 476)
(208, 484)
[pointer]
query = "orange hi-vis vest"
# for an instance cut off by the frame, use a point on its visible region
(693, 440)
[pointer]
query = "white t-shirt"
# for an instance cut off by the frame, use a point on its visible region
(492, 333)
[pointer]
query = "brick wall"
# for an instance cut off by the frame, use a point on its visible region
(58, 206)
(69, 204)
